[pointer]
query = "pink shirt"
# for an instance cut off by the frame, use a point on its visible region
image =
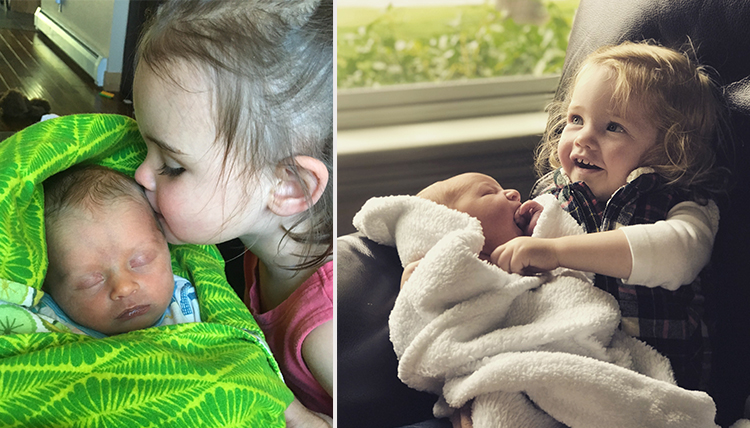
(288, 324)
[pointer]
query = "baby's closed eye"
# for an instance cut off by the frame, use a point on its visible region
(141, 260)
(89, 281)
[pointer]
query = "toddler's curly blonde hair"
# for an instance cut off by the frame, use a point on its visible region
(667, 86)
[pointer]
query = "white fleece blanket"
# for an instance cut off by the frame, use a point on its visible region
(530, 351)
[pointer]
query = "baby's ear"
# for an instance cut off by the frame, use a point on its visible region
(289, 196)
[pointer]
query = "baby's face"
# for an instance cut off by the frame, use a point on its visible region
(500, 211)
(110, 270)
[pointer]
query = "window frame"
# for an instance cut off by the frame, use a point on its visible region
(443, 101)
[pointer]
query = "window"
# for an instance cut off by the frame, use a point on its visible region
(406, 61)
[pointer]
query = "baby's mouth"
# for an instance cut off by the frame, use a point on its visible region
(584, 164)
(133, 312)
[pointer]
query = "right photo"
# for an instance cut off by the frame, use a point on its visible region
(541, 213)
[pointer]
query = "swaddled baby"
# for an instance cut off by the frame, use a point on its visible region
(540, 350)
(109, 264)
(500, 211)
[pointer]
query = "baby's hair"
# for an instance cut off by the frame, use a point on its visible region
(667, 86)
(270, 68)
(87, 187)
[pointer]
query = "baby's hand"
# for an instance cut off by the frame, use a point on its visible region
(408, 270)
(526, 255)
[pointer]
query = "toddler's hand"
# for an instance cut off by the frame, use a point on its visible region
(526, 255)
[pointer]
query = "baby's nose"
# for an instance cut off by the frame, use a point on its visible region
(123, 287)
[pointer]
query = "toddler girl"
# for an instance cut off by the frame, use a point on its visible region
(235, 102)
(631, 145)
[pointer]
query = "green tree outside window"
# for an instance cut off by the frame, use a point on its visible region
(401, 45)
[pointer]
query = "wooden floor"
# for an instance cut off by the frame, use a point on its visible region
(31, 63)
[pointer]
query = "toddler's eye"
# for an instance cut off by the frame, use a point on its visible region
(575, 120)
(615, 127)
(169, 171)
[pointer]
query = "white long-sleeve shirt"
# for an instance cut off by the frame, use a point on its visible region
(672, 252)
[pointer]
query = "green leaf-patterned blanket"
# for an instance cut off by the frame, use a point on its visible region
(216, 373)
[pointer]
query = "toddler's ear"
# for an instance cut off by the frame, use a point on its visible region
(288, 197)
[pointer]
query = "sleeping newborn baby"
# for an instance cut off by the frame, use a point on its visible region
(500, 211)
(505, 349)
(109, 269)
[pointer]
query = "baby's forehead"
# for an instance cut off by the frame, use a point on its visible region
(112, 210)
(466, 182)
(448, 191)
(140, 208)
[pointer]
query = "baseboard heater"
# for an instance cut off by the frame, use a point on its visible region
(94, 64)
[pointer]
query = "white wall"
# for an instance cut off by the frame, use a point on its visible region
(100, 24)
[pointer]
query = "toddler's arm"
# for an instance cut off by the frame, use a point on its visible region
(673, 252)
(606, 253)
(667, 253)
(317, 351)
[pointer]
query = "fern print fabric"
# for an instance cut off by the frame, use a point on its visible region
(217, 373)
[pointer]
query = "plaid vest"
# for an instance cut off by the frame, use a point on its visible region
(670, 321)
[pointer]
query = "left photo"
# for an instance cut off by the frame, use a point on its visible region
(167, 198)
